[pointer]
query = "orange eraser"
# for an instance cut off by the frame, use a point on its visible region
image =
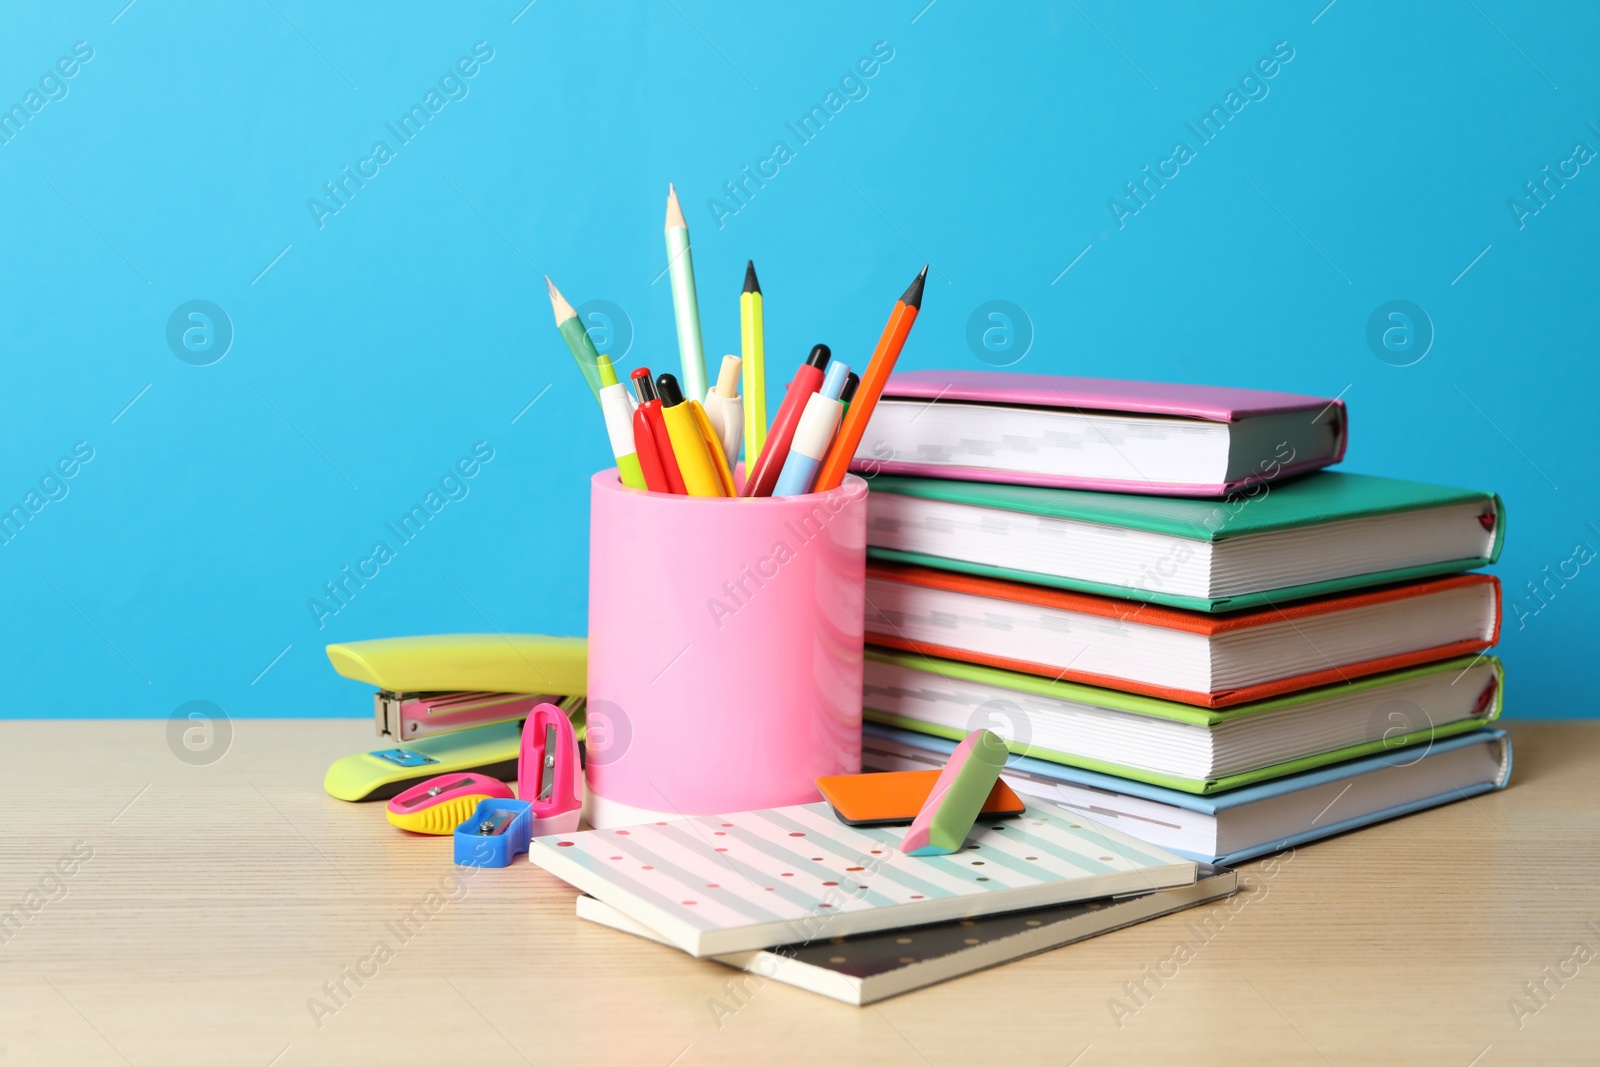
(888, 797)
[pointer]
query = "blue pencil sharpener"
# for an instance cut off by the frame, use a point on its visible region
(496, 833)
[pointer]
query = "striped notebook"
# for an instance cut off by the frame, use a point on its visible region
(867, 967)
(714, 884)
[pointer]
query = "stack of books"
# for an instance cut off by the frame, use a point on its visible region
(1183, 626)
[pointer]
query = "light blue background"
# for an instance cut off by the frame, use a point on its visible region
(378, 349)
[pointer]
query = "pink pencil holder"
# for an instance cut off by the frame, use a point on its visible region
(724, 649)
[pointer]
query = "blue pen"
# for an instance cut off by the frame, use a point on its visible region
(818, 423)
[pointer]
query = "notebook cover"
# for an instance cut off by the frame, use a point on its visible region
(493, 663)
(1181, 712)
(712, 884)
(870, 967)
(1251, 794)
(1139, 704)
(1208, 624)
(1106, 395)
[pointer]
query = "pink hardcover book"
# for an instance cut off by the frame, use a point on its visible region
(1101, 434)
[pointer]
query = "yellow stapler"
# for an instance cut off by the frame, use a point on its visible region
(453, 702)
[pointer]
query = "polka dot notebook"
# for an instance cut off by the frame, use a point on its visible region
(868, 967)
(730, 883)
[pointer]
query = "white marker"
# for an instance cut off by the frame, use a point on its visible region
(818, 423)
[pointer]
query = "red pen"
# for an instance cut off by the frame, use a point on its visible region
(656, 458)
(807, 380)
(644, 445)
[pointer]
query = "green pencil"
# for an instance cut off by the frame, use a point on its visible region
(685, 306)
(577, 338)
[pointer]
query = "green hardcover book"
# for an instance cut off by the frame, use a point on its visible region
(1180, 746)
(1323, 533)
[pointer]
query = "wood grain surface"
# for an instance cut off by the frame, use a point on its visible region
(209, 910)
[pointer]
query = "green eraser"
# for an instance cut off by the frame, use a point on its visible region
(946, 818)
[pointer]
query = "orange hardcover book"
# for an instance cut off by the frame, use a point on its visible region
(1208, 660)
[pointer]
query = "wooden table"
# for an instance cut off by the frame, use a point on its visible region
(209, 907)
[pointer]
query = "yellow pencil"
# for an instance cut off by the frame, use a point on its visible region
(752, 334)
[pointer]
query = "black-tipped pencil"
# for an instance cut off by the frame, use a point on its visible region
(831, 474)
(752, 347)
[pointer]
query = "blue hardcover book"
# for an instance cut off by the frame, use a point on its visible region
(1239, 824)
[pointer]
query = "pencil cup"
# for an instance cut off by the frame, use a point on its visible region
(724, 649)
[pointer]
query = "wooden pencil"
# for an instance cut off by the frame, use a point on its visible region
(752, 336)
(830, 475)
(577, 338)
(685, 306)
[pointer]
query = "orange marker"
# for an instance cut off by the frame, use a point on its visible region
(831, 474)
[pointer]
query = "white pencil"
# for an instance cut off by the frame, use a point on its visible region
(685, 306)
